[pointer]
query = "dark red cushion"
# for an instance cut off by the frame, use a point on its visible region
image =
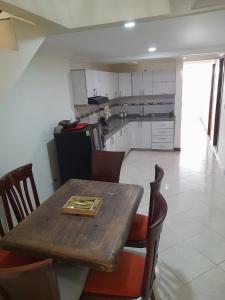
(139, 227)
(9, 259)
(126, 281)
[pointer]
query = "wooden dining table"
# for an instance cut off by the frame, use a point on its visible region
(92, 241)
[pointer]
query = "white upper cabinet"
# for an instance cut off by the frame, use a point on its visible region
(142, 83)
(115, 85)
(124, 84)
(147, 83)
(164, 82)
(109, 84)
(137, 83)
(105, 83)
(78, 83)
(85, 84)
(93, 83)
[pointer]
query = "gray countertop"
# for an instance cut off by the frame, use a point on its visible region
(115, 123)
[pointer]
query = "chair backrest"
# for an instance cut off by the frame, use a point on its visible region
(160, 211)
(106, 165)
(155, 187)
(36, 281)
(18, 191)
(2, 232)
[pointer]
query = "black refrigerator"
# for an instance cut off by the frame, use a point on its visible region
(74, 150)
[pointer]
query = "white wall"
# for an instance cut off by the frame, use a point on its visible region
(13, 63)
(28, 114)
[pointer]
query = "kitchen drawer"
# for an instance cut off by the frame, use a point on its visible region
(162, 131)
(162, 138)
(162, 146)
(163, 124)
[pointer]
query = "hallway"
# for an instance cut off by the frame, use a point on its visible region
(192, 246)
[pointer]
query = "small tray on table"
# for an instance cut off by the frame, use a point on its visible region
(82, 205)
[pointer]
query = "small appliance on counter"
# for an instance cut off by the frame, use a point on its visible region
(97, 100)
(74, 145)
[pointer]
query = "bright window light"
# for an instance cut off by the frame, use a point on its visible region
(129, 24)
(152, 49)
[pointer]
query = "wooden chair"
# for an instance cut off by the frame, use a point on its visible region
(18, 190)
(138, 234)
(36, 281)
(1, 229)
(10, 258)
(24, 277)
(106, 165)
(135, 274)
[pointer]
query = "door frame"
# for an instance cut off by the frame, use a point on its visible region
(218, 104)
(211, 101)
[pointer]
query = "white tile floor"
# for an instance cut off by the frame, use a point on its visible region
(192, 246)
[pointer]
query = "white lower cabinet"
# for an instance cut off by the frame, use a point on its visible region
(119, 141)
(110, 144)
(143, 135)
(162, 135)
(140, 134)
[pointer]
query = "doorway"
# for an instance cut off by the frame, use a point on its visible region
(197, 78)
(196, 95)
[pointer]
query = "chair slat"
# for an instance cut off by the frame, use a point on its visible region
(17, 188)
(2, 232)
(34, 189)
(13, 198)
(27, 194)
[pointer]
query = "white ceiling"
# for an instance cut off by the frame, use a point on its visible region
(83, 13)
(198, 4)
(192, 34)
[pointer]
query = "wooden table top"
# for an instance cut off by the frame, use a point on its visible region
(92, 241)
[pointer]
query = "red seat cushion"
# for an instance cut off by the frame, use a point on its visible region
(9, 259)
(126, 281)
(139, 228)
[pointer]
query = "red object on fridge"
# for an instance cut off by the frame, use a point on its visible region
(78, 126)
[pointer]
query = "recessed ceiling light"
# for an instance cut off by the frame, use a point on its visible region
(152, 49)
(129, 24)
(184, 58)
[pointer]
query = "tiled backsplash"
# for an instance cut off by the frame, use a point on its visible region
(134, 105)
